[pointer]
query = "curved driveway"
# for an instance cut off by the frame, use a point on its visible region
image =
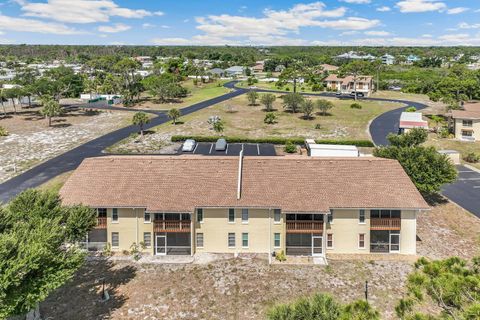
(380, 127)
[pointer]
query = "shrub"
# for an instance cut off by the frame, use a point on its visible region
(272, 140)
(411, 109)
(317, 87)
(270, 118)
(281, 256)
(290, 147)
(356, 106)
(3, 132)
(318, 126)
(107, 250)
(472, 157)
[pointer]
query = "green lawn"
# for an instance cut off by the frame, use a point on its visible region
(196, 94)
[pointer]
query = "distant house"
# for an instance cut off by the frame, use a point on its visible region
(258, 68)
(217, 72)
(279, 68)
(388, 59)
(326, 67)
(235, 71)
(350, 85)
(411, 59)
(352, 55)
(466, 122)
(410, 120)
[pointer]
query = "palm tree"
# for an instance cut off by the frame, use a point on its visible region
(174, 114)
(140, 119)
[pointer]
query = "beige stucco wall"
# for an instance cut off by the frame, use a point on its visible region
(408, 234)
(346, 229)
(459, 126)
(260, 228)
(130, 227)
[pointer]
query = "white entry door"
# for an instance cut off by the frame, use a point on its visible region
(317, 245)
(161, 245)
(394, 242)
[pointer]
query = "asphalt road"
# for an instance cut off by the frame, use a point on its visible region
(466, 190)
(71, 159)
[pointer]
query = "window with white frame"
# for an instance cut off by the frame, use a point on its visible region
(231, 215)
(361, 216)
(467, 123)
(147, 239)
(115, 239)
(244, 215)
(245, 240)
(147, 217)
(200, 215)
(231, 240)
(114, 215)
(199, 240)
(361, 241)
(277, 215)
(276, 240)
(330, 240)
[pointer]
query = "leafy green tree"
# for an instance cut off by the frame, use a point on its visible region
(411, 109)
(324, 105)
(37, 251)
(267, 99)
(174, 114)
(453, 284)
(270, 118)
(307, 108)
(164, 87)
(438, 121)
(126, 69)
(3, 99)
(252, 97)
(50, 109)
(140, 119)
(12, 94)
(428, 169)
(292, 102)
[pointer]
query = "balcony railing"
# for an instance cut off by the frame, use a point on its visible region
(385, 223)
(171, 226)
(101, 223)
(304, 226)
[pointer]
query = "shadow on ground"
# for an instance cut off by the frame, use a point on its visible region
(84, 291)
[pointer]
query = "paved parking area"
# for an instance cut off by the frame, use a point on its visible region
(466, 190)
(233, 149)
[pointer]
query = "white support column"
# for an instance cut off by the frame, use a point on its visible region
(191, 234)
(324, 235)
(269, 236)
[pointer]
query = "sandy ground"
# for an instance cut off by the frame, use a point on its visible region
(246, 288)
(31, 141)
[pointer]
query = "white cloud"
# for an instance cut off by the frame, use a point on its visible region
(357, 1)
(147, 25)
(464, 25)
(383, 9)
(377, 33)
(457, 10)
(426, 35)
(408, 6)
(31, 25)
(165, 27)
(349, 33)
(171, 41)
(80, 11)
(119, 27)
(159, 13)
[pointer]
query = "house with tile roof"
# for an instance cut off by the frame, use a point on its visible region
(362, 85)
(466, 122)
(183, 205)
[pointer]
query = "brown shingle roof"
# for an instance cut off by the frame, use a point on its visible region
(294, 184)
(471, 111)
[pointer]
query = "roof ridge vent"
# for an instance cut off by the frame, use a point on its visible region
(240, 168)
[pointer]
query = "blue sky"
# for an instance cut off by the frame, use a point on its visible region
(237, 22)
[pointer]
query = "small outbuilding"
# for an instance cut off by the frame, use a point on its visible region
(410, 120)
(330, 150)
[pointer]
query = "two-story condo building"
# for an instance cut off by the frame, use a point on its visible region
(362, 85)
(466, 122)
(183, 205)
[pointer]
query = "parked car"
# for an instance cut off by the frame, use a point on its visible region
(189, 145)
(221, 145)
(359, 94)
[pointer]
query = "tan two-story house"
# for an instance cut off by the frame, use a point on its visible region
(361, 85)
(183, 205)
(466, 122)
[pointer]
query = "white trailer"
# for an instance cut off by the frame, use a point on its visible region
(331, 150)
